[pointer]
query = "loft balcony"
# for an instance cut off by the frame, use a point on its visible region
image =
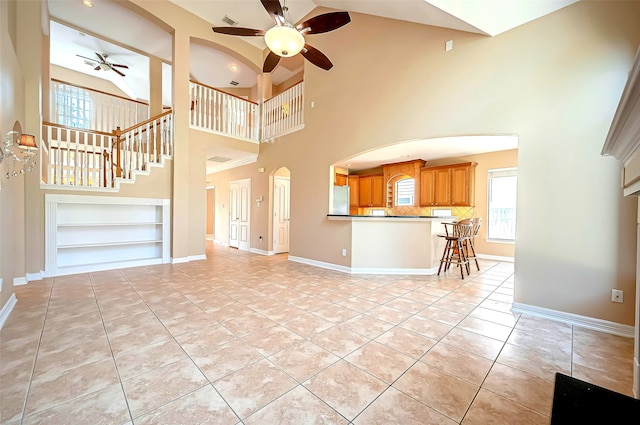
(96, 140)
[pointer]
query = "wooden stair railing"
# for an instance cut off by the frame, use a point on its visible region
(88, 158)
(141, 144)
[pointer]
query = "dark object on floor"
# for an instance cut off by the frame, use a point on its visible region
(579, 402)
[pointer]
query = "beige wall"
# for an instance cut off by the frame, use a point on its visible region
(12, 192)
(554, 82)
(211, 194)
(486, 161)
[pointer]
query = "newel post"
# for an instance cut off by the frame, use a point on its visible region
(116, 160)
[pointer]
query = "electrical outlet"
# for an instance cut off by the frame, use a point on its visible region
(344, 252)
(617, 295)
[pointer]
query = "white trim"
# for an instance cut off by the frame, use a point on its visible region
(217, 242)
(321, 264)
(0, 284)
(576, 320)
(19, 281)
(197, 257)
(262, 251)
(428, 272)
(64, 271)
(345, 269)
(7, 309)
(180, 260)
(222, 133)
(496, 258)
(35, 276)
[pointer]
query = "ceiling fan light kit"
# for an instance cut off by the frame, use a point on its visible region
(285, 40)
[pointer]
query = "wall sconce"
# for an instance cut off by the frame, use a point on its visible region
(25, 155)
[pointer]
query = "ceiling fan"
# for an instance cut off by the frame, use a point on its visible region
(105, 65)
(285, 40)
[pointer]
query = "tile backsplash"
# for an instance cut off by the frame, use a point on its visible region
(460, 212)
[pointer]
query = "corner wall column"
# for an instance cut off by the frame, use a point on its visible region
(181, 154)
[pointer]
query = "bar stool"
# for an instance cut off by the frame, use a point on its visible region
(470, 251)
(457, 234)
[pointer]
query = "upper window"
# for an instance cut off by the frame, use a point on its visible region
(405, 192)
(503, 188)
(72, 106)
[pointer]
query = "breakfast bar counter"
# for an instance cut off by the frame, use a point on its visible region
(395, 244)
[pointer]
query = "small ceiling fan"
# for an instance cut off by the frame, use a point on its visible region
(285, 40)
(105, 65)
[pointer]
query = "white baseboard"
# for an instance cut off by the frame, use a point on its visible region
(18, 281)
(261, 251)
(188, 259)
(35, 276)
(350, 270)
(428, 272)
(576, 320)
(330, 266)
(7, 309)
(495, 257)
(64, 271)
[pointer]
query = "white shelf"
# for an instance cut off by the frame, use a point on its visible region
(151, 223)
(92, 245)
(92, 233)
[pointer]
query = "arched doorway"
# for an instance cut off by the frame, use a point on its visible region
(281, 208)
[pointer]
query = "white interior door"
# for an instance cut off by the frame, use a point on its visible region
(234, 213)
(281, 196)
(244, 209)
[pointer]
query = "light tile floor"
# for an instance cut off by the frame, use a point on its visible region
(243, 338)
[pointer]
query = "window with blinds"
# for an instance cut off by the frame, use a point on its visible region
(405, 192)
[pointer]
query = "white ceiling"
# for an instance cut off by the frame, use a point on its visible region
(134, 39)
(429, 150)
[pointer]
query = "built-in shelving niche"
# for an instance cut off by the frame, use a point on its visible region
(92, 233)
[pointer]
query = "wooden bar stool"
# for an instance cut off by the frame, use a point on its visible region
(457, 234)
(470, 251)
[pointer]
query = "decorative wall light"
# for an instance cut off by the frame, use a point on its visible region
(20, 151)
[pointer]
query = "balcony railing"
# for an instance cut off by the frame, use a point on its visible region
(82, 107)
(224, 113)
(79, 158)
(284, 113)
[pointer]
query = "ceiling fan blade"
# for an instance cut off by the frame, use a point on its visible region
(100, 56)
(270, 62)
(119, 65)
(118, 72)
(324, 23)
(274, 9)
(316, 57)
(84, 57)
(238, 31)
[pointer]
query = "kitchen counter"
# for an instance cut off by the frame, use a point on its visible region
(394, 244)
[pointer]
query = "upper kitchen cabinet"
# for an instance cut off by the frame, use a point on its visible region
(463, 184)
(354, 191)
(340, 179)
(448, 185)
(371, 191)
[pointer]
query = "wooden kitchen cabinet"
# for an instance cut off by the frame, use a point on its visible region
(354, 191)
(340, 180)
(448, 185)
(463, 184)
(371, 191)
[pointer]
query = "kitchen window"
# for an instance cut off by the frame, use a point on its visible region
(502, 191)
(405, 192)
